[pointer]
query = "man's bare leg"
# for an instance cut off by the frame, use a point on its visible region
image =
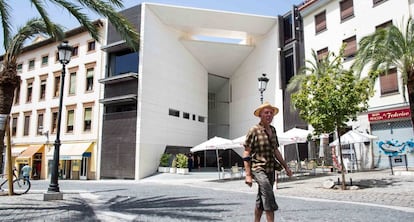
(270, 216)
(257, 214)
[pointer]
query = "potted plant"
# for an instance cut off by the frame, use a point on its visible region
(173, 168)
(164, 162)
(182, 164)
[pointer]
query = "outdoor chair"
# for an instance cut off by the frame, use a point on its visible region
(224, 172)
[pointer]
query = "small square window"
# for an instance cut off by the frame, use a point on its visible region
(45, 60)
(186, 115)
(20, 68)
(91, 46)
(201, 119)
(173, 112)
(320, 22)
(31, 64)
(75, 51)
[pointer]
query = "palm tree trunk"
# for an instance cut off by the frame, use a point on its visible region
(410, 89)
(8, 83)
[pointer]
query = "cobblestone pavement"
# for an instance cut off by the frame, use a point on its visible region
(375, 187)
(302, 198)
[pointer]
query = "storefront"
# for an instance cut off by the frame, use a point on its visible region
(395, 136)
(75, 161)
(32, 156)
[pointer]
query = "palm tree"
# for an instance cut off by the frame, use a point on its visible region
(103, 8)
(9, 79)
(390, 47)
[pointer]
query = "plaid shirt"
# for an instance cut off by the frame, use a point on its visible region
(263, 148)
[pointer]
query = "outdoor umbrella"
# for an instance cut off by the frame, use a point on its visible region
(354, 136)
(212, 144)
(294, 136)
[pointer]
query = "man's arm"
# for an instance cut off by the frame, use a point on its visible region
(247, 165)
(279, 157)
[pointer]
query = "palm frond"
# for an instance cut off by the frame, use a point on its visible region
(122, 25)
(5, 22)
(32, 28)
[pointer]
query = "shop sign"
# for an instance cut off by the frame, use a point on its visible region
(388, 115)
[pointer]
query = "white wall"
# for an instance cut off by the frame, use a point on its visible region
(244, 83)
(169, 77)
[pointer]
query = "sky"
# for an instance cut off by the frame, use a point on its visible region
(22, 10)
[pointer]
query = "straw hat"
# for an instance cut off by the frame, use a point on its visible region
(265, 105)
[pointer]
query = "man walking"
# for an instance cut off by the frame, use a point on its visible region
(26, 171)
(260, 155)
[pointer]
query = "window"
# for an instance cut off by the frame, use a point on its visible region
(89, 79)
(40, 127)
(287, 28)
(87, 119)
(54, 121)
(45, 60)
(70, 121)
(26, 124)
(377, 2)
(320, 22)
(194, 117)
(31, 64)
(17, 95)
(72, 83)
(19, 68)
(75, 51)
(91, 46)
(42, 95)
(57, 57)
(322, 53)
(14, 126)
(123, 62)
(384, 25)
(186, 115)
(288, 66)
(389, 82)
(29, 90)
(173, 112)
(350, 47)
(57, 86)
(201, 119)
(347, 9)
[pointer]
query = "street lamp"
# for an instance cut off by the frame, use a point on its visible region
(262, 85)
(64, 53)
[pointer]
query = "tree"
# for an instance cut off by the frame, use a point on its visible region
(102, 8)
(9, 79)
(328, 96)
(390, 47)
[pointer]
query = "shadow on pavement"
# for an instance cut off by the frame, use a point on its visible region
(185, 208)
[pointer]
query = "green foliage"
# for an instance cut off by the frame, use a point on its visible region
(182, 160)
(328, 95)
(164, 160)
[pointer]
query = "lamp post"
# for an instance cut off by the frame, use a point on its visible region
(262, 85)
(64, 52)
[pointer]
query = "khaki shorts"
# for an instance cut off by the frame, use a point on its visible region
(265, 199)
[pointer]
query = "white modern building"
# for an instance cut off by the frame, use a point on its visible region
(195, 77)
(36, 104)
(327, 24)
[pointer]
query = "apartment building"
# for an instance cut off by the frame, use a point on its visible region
(36, 103)
(327, 24)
